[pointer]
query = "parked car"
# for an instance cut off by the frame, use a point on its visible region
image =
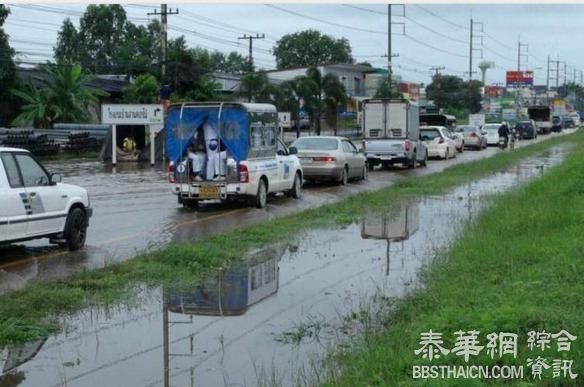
(330, 158)
(438, 142)
(568, 122)
(473, 136)
(35, 204)
(557, 124)
(526, 130)
(458, 139)
(576, 118)
(492, 133)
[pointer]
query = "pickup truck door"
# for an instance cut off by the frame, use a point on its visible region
(13, 212)
(47, 203)
(285, 167)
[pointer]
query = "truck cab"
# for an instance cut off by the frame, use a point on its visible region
(254, 160)
(35, 204)
(391, 133)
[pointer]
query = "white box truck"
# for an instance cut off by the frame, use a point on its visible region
(391, 133)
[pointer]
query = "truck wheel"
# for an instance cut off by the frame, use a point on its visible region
(76, 229)
(424, 162)
(296, 191)
(261, 197)
(344, 177)
(371, 166)
(413, 162)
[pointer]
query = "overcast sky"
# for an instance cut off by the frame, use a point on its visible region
(437, 35)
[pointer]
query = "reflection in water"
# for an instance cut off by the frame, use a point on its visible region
(392, 227)
(13, 357)
(230, 292)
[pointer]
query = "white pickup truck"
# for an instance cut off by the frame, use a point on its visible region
(35, 204)
(257, 162)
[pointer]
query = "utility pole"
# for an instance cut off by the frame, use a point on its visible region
(520, 54)
(437, 69)
(251, 38)
(547, 82)
(163, 35)
(557, 72)
(389, 49)
(565, 67)
(471, 49)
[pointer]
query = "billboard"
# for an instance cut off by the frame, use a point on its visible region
(494, 91)
(519, 78)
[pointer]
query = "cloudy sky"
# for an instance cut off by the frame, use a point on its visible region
(435, 35)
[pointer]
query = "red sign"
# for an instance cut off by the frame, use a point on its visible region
(519, 78)
(494, 91)
(412, 89)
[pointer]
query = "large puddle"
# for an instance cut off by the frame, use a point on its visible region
(259, 321)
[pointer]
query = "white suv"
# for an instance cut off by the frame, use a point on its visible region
(34, 204)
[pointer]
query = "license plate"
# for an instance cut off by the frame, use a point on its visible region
(306, 160)
(209, 192)
(386, 157)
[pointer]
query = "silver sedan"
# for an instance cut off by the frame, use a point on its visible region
(330, 158)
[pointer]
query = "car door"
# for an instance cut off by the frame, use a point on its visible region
(13, 209)
(47, 204)
(354, 162)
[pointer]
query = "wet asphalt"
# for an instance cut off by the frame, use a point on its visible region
(135, 212)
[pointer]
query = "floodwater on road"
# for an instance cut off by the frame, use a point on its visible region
(135, 212)
(259, 320)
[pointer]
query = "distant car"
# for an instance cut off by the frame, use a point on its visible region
(473, 136)
(458, 139)
(557, 124)
(330, 158)
(438, 142)
(568, 121)
(576, 118)
(526, 130)
(492, 133)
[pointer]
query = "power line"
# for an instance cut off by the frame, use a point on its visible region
(441, 18)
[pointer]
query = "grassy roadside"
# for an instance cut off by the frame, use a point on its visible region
(517, 269)
(34, 312)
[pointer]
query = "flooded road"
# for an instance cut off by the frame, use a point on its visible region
(135, 212)
(267, 318)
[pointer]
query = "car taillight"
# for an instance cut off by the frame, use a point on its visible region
(171, 172)
(441, 141)
(243, 174)
(327, 159)
(408, 145)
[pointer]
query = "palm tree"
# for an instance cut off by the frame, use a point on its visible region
(66, 98)
(315, 89)
(256, 87)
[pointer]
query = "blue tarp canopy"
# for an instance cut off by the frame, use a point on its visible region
(182, 124)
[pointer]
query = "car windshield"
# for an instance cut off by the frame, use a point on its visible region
(429, 134)
(491, 127)
(524, 125)
(467, 129)
(316, 144)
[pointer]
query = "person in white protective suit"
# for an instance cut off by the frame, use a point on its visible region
(215, 167)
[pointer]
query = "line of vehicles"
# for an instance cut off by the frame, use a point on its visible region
(255, 161)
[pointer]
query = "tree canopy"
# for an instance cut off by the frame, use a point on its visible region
(311, 48)
(452, 92)
(7, 67)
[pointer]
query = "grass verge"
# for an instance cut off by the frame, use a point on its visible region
(37, 310)
(517, 269)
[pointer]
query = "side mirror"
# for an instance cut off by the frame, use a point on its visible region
(281, 153)
(55, 178)
(293, 150)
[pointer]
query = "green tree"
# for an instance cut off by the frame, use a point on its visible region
(452, 92)
(67, 50)
(318, 91)
(145, 89)
(140, 50)
(311, 48)
(66, 98)
(385, 91)
(256, 87)
(7, 67)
